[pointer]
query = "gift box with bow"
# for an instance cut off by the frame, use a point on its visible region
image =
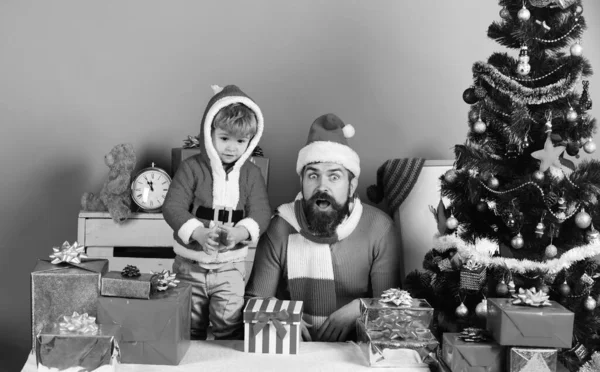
(395, 307)
(532, 359)
(76, 342)
(272, 326)
(520, 325)
(397, 348)
(466, 355)
(154, 331)
(69, 282)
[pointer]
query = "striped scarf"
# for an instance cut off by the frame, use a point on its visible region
(310, 267)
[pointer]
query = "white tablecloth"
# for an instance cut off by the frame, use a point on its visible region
(217, 356)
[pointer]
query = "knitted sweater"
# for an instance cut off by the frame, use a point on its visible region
(365, 262)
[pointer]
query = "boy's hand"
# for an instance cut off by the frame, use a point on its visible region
(230, 236)
(207, 238)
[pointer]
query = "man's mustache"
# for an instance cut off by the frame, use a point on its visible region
(322, 195)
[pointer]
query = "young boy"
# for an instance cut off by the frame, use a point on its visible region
(219, 184)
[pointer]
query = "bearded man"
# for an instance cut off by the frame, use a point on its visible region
(326, 248)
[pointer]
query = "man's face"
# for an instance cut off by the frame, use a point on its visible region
(326, 191)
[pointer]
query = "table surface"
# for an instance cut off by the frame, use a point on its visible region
(217, 356)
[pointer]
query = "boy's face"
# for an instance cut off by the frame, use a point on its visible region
(229, 146)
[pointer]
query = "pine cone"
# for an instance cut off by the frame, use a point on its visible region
(130, 271)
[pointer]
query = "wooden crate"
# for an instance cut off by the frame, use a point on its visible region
(145, 235)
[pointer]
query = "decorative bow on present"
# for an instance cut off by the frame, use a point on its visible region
(472, 265)
(531, 297)
(263, 318)
(397, 296)
(68, 253)
(474, 335)
(76, 323)
(165, 280)
(191, 142)
(131, 271)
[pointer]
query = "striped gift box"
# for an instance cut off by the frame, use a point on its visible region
(272, 326)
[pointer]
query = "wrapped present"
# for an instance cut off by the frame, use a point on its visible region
(473, 354)
(115, 284)
(154, 331)
(77, 343)
(383, 349)
(272, 326)
(68, 283)
(472, 276)
(532, 360)
(398, 308)
(519, 325)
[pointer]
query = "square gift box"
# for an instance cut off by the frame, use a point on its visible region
(518, 325)
(397, 348)
(153, 331)
(116, 285)
(484, 356)
(62, 288)
(59, 349)
(532, 359)
(375, 314)
(272, 326)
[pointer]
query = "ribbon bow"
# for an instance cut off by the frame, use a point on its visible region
(191, 142)
(531, 297)
(472, 265)
(397, 296)
(165, 280)
(276, 318)
(68, 253)
(76, 323)
(474, 335)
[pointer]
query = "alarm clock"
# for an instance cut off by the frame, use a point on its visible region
(149, 188)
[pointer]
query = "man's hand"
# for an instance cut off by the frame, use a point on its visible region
(232, 236)
(207, 238)
(304, 326)
(339, 324)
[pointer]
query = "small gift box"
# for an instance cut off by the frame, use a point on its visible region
(272, 326)
(519, 325)
(77, 344)
(532, 360)
(68, 283)
(124, 284)
(472, 276)
(395, 307)
(397, 348)
(154, 331)
(464, 353)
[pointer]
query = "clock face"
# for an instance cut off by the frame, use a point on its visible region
(149, 189)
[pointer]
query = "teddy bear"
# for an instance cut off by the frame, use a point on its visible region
(115, 195)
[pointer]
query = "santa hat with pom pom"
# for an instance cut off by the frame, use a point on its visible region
(327, 142)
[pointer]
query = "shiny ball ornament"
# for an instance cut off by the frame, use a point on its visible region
(502, 289)
(517, 241)
(481, 309)
(450, 176)
(523, 68)
(572, 148)
(504, 13)
(461, 311)
(589, 304)
(482, 207)
(510, 222)
(571, 115)
(539, 230)
(451, 222)
(525, 143)
(524, 14)
(473, 116)
(493, 183)
(551, 251)
(576, 50)
(479, 127)
(544, 288)
(561, 217)
(583, 220)
(538, 176)
(578, 10)
(589, 147)
(469, 96)
(564, 289)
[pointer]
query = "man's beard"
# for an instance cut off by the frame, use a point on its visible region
(324, 223)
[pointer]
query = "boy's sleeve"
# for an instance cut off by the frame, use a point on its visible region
(176, 208)
(385, 271)
(257, 208)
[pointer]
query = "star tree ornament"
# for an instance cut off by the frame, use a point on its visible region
(549, 155)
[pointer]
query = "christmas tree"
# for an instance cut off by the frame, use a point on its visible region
(520, 208)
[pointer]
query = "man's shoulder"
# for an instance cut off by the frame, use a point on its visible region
(374, 213)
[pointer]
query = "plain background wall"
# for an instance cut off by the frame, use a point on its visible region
(78, 77)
